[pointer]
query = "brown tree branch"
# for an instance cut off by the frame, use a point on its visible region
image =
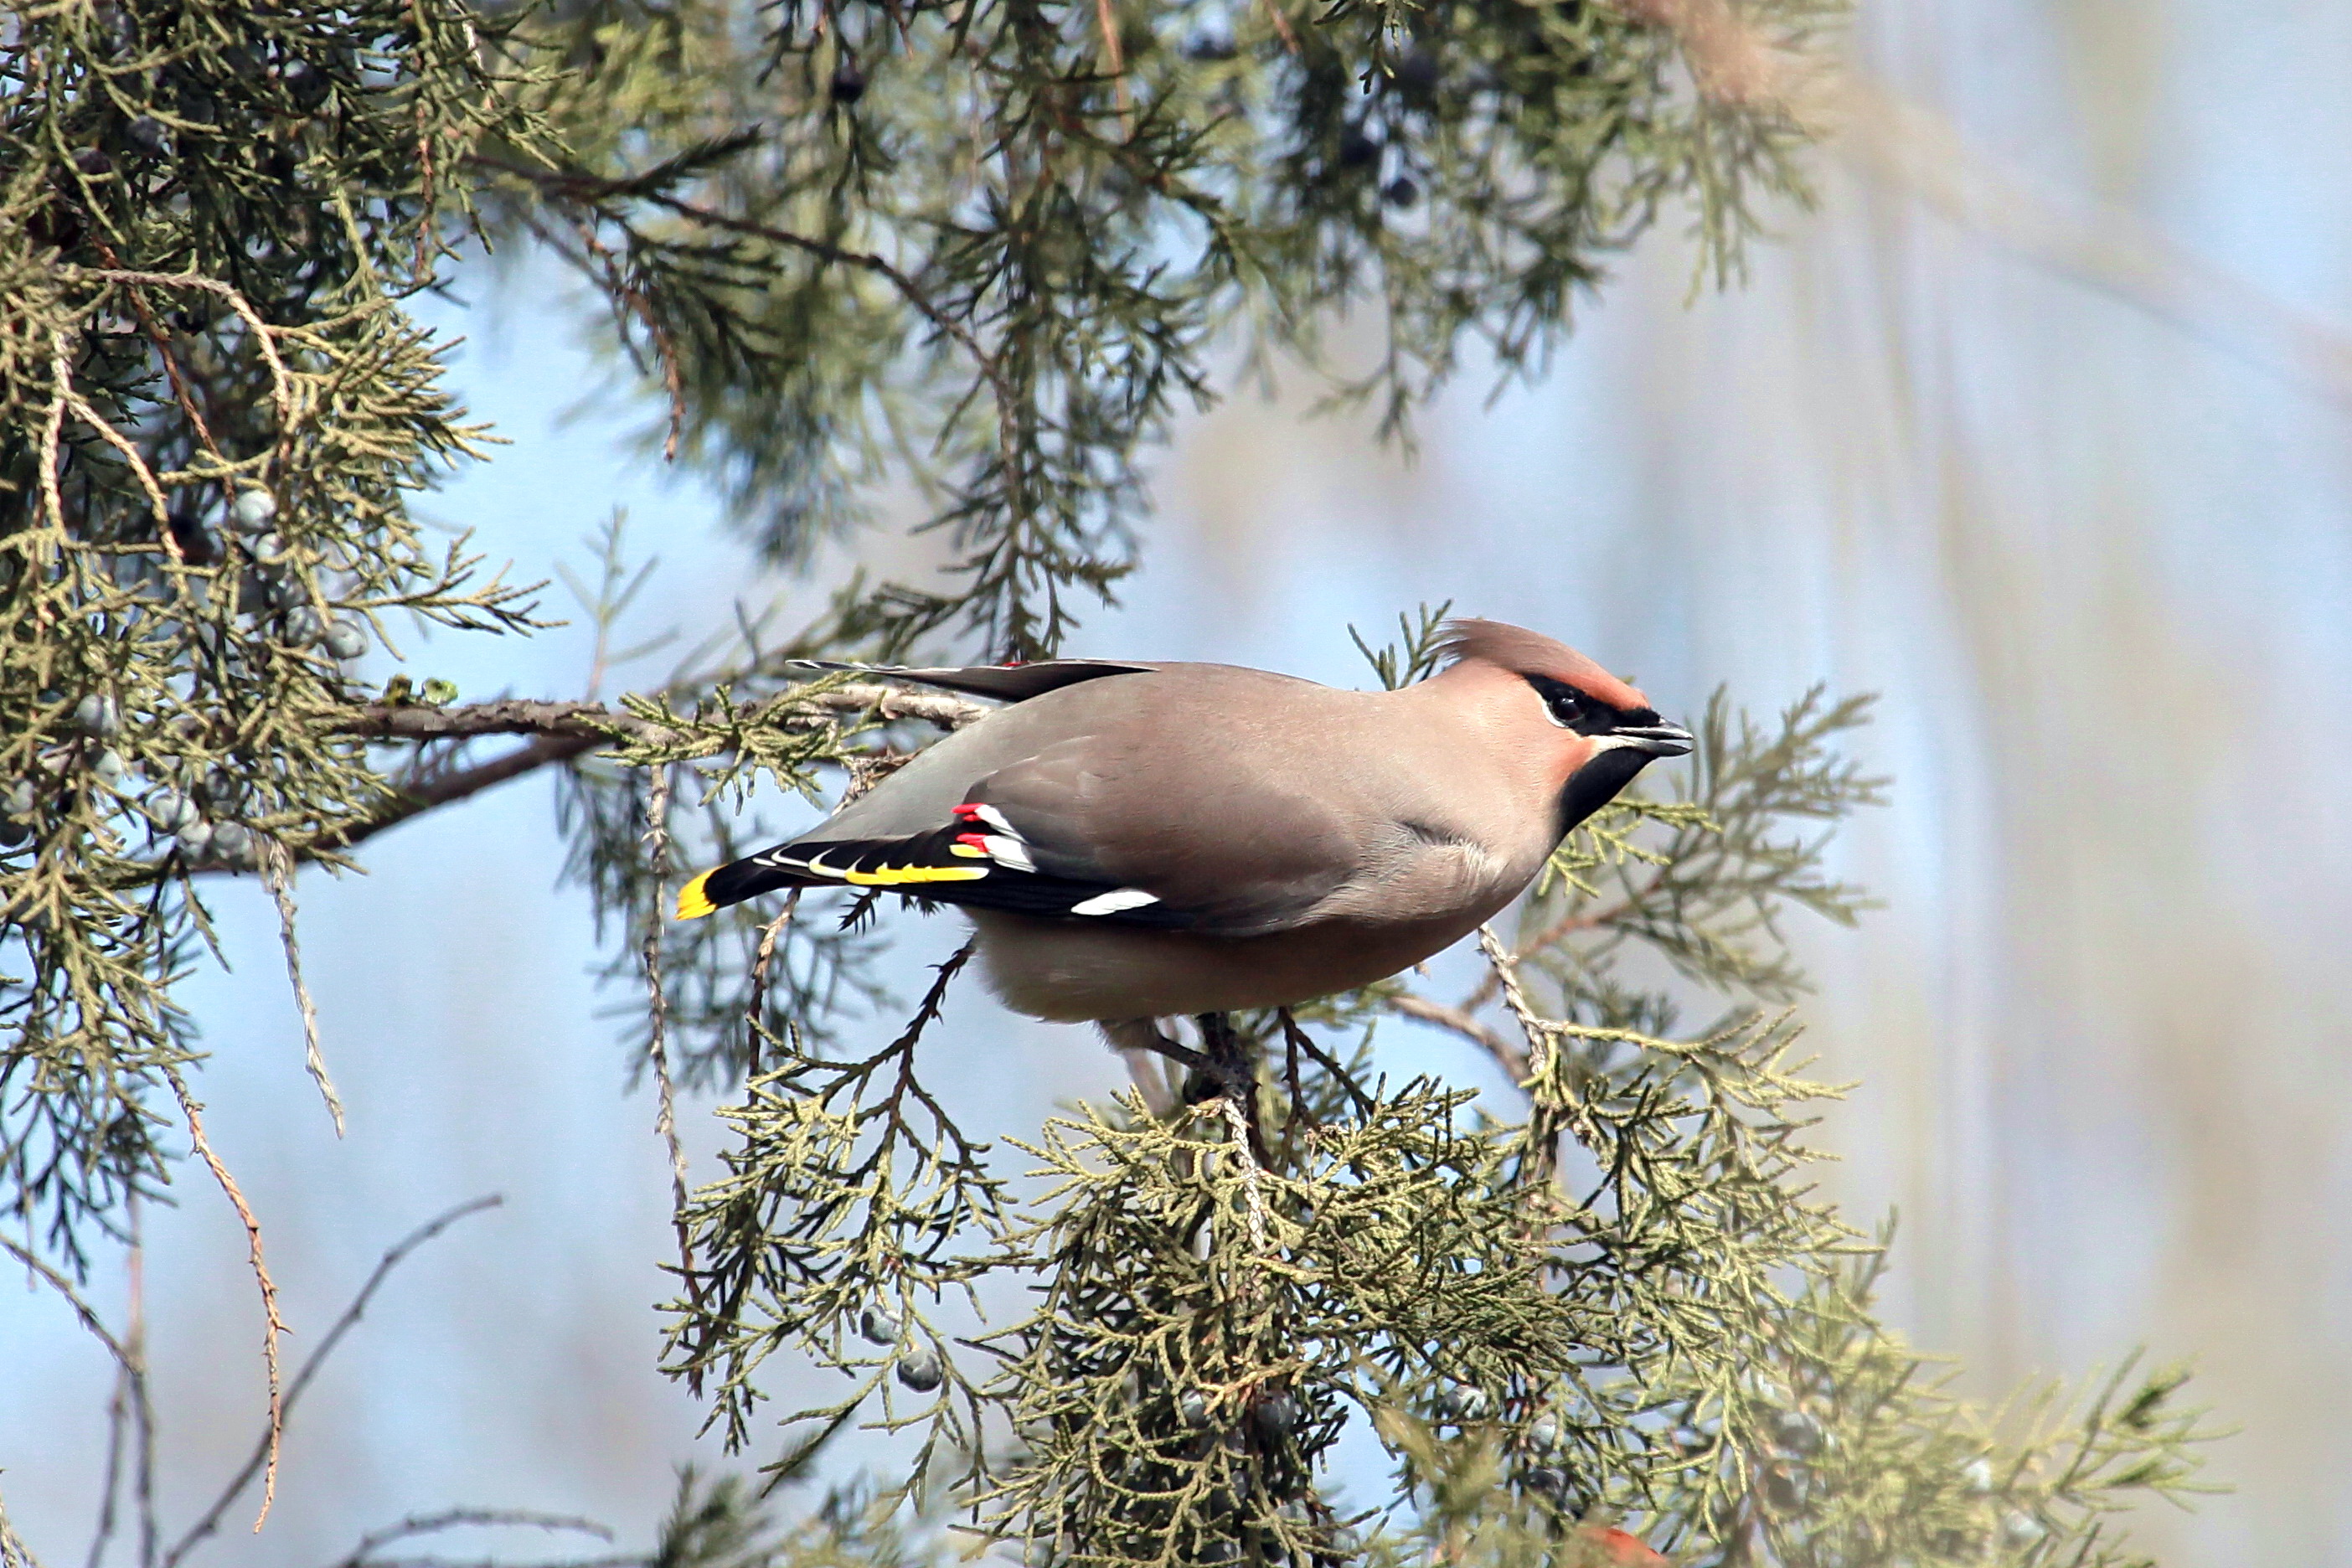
(390, 1260)
(594, 721)
(563, 731)
(272, 1325)
(1412, 1005)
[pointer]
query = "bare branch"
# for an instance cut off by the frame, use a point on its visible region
(277, 871)
(563, 731)
(593, 721)
(757, 1005)
(458, 1518)
(73, 1298)
(656, 839)
(391, 1259)
(272, 1324)
(1429, 1011)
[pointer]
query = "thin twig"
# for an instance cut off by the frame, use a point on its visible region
(143, 1409)
(656, 838)
(277, 872)
(1010, 407)
(1539, 1076)
(757, 1007)
(1116, 56)
(53, 427)
(83, 1309)
(584, 185)
(1324, 1060)
(1428, 1011)
(1282, 25)
(130, 454)
(1291, 1033)
(1568, 925)
(156, 335)
(563, 731)
(272, 1324)
(109, 1491)
(459, 1517)
(281, 385)
(1539, 1037)
(391, 1259)
(673, 382)
(1253, 1176)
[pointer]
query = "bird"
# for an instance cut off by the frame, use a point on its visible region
(1135, 841)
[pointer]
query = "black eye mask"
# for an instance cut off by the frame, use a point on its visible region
(1572, 709)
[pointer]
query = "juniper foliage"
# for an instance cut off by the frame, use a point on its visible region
(988, 249)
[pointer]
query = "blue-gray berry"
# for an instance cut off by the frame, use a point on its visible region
(98, 714)
(195, 840)
(879, 1325)
(920, 1370)
(170, 810)
(232, 842)
(252, 510)
(1798, 1432)
(1278, 1417)
(345, 641)
(108, 764)
(1463, 1402)
(1548, 1479)
(302, 627)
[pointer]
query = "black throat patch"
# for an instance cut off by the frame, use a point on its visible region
(1596, 784)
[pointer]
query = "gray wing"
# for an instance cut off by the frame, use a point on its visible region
(1210, 857)
(1133, 817)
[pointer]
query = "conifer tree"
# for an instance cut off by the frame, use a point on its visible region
(993, 247)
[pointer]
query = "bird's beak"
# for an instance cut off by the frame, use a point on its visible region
(1657, 740)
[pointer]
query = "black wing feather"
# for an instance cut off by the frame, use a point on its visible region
(1006, 682)
(897, 865)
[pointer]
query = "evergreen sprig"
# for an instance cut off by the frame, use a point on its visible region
(994, 245)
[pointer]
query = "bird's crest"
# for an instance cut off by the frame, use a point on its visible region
(1524, 652)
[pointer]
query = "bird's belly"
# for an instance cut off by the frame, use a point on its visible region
(1070, 971)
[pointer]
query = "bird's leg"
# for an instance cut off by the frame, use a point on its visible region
(1203, 1078)
(1141, 1046)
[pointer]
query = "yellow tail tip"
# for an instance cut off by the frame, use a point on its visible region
(693, 903)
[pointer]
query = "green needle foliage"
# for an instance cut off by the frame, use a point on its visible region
(993, 245)
(1288, 1312)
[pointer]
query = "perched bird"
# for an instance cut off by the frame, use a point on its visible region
(1142, 840)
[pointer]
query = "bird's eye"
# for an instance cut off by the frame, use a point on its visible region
(1563, 704)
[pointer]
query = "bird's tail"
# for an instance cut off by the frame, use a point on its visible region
(732, 883)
